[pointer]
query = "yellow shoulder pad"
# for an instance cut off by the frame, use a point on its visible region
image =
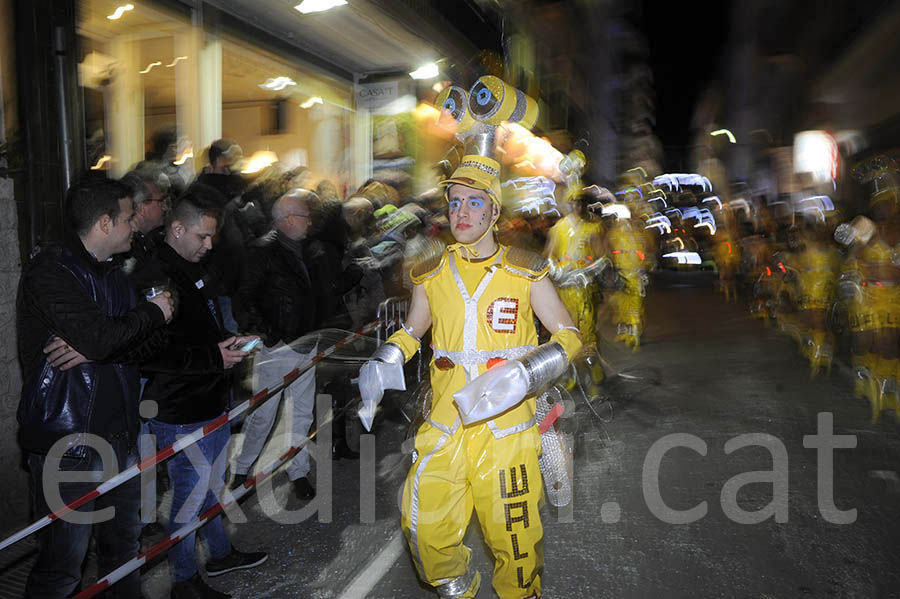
(428, 266)
(525, 264)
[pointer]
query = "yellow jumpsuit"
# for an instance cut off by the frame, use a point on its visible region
(570, 249)
(480, 311)
(816, 282)
(627, 304)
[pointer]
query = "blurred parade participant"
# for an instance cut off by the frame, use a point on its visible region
(479, 299)
(875, 309)
(627, 301)
(818, 263)
(575, 247)
(727, 255)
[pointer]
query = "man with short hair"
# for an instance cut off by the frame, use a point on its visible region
(150, 187)
(280, 303)
(80, 332)
(188, 382)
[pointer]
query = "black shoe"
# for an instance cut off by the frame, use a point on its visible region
(303, 489)
(152, 530)
(196, 588)
(342, 451)
(236, 560)
(237, 481)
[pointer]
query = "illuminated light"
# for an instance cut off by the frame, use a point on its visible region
(527, 152)
(120, 11)
(276, 84)
(311, 102)
(426, 71)
(617, 210)
(823, 201)
(816, 152)
(589, 259)
(713, 199)
(189, 153)
(438, 87)
(879, 283)
(103, 160)
(310, 6)
(864, 284)
(617, 251)
(768, 272)
(176, 61)
(685, 257)
(640, 254)
(638, 168)
(260, 160)
(680, 242)
(728, 243)
(150, 67)
(781, 266)
(710, 226)
(658, 200)
(724, 132)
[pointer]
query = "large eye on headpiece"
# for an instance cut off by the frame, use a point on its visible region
(492, 101)
(454, 102)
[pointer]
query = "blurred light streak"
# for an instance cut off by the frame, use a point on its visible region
(120, 11)
(713, 199)
(176, 61)
(260, 160)
(150, 67)
(620, 211)
(310, 6)
(724, 132)
(426, 71)
(312, 101)
(277, 84)
(527, 152)
(189, 153)
(684, 257)
(103, 160)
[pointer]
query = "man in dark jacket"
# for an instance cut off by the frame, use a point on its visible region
(80, 330)
(280, 303)
(188, 382)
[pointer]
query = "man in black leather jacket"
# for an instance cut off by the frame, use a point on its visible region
(80, 332)
(188, 382)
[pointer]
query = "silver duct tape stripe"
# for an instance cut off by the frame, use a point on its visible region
(414, 500)
(518, 271)
(443, 427)
(453, 588)
(478, 356)
(499, 433)
(521, 105)
(544, 364)
(470, 328)
(555, 460)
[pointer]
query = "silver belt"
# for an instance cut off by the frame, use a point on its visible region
(474, 357)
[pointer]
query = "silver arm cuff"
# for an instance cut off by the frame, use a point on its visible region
(390, 354)
(543, 365)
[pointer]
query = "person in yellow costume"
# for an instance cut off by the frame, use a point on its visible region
(874, 266)
(478, 447)
(628, 302)
(575, 242)
(818, 263)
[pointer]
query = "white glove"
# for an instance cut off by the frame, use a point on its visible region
(492, 392)
(383, 371)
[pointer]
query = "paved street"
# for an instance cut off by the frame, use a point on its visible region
(720, 375)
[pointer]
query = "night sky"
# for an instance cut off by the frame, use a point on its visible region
(686, 40)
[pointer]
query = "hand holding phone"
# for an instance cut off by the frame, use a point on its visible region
(250, 345)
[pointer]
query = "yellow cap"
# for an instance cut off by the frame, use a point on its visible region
(477, 172)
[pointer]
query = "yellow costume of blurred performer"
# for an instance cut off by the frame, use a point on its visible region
(479, 298)
(627, 303)
(574, 243)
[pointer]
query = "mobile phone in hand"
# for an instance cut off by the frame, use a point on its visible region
(250, 344)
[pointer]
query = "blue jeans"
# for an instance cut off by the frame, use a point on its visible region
(196, 474)
(63, 545)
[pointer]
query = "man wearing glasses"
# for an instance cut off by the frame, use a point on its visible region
(150, 187)
(278, 303)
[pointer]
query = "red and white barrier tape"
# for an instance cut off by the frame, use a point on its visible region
(186, 440)
(176, 537)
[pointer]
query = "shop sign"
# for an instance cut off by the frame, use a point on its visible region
(375, 95)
